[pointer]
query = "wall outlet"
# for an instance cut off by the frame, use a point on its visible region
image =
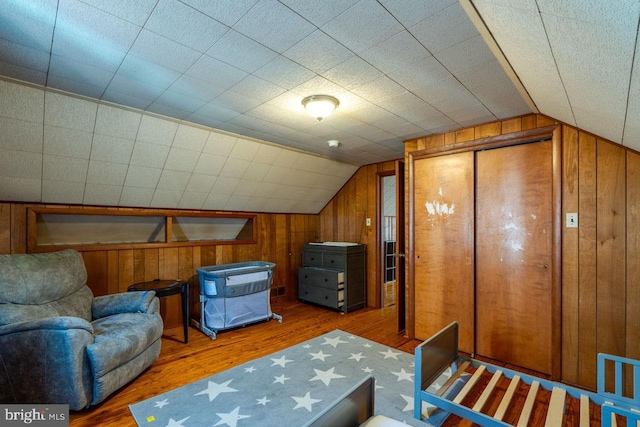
(368, 222)
(572, 220)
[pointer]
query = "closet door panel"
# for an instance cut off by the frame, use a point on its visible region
(444, 245)
(514, 254)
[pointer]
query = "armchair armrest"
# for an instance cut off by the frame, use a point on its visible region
(125, 302)
(49, 324)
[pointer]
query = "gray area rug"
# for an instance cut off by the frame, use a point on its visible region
(289, 387)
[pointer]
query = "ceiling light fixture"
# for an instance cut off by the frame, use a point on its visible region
(333, 143)
(320, 106)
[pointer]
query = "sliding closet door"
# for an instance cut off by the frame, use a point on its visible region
(443, 247)
(514, 219)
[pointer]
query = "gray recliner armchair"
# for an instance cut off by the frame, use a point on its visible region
(59, 344)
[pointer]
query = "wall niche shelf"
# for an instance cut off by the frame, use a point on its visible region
(91, 229)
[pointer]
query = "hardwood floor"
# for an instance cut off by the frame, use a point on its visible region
(180, 363)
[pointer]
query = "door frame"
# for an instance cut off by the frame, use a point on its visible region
(553, 132)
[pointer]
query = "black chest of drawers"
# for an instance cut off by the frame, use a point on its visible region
(333, 275)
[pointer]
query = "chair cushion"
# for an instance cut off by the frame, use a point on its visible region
(120, 338)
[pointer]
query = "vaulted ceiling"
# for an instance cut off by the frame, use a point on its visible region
(401, 69)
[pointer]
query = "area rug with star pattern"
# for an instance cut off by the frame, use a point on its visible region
(289, 387)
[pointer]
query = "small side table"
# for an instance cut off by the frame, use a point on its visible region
(164, 288)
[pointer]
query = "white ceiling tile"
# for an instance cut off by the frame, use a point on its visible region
(79, 72)
(224, 185)
(20, 189)
(245, 149)
(117, 122)
(241, 52)
(600, 12)
(216, 72)
(363, 25)
(20, 135)
(379, 89)
(62, 192)
(237, 203)
(214, 113)
(173, 180)
(142, 176)
(227, 12)
(318, 52)
(111, 149)
(236, 102)
(317, 12)
(148, 154)
(489, 73)
(121, 85)
(190, 137)
(31, 26)
(277, 175)
(256, 172)
(234, 168)
(106, 173)
(181, 160)
(410, 12)
(91, 25)
(69, 112)
(74, 86)
(163, 51)
(166, 198)
(215, 201)
(67, 142)
(116, 97)
(20, 164)
(203, 120)
(200, 183)
(135, 196)
(256, 88)
(72, 46)
(193, 87)
(157, 131)
(147, 72)
(284, 72)
(352, 73)
(396, 52)
(136, 12)
(101, 194)
(246, 188)
(59, 168)
(22, 73)
(24, 56)
(21, 102)
(166, 110)
(192, 200)
(267, 154)
(220, 144)
(209, 164)
(178, 101)
(184, 25)
(274, 25)
(466, 55)
(435, 34)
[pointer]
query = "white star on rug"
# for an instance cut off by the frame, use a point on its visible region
(214, 389)
(306, 346)
(427, 408)
(281, 379)
(333, 341)
(174, 423)
(282, 361)
(389, 354)
(161, 403)
(357, 356)
(250, 370)
(230, 419)
(305, 402)
(263, 401)
(366, 345)
(403, 375)
(325, 376)
(319, 355)
(368, 370)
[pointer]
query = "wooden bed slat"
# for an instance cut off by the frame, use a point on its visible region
(506, 399)
(469, 385)
(463, 367)
(556, 407)
(487, 391)
(584, 411)
(528, 404)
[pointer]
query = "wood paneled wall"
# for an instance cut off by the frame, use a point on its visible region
(280, 238)
(600, 258)
(344, 219)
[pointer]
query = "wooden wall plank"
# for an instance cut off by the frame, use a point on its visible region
(512, 125)
(151, 264)
(633, 255)
(570, 250)
(113, 273)
(18, 228)
(465, 135)
(5, 228)
(96, 265)
(487, 130)
(611, 232)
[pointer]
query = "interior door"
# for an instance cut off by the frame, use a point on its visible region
(514, 218)
(444, 245)
(400, 251)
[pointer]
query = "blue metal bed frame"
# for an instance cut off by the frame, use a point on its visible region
(440, 352)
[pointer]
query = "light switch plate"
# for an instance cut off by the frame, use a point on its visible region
(572, 220)
(368, 222)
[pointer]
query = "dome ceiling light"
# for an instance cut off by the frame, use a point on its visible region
(320, 106)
